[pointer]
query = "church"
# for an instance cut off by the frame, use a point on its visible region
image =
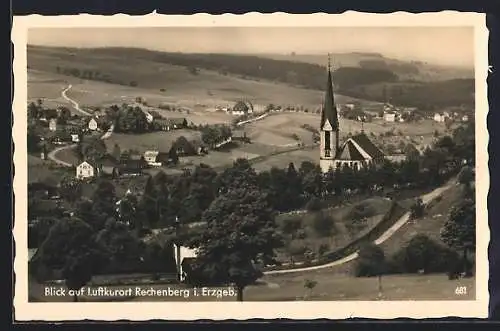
(356, 152)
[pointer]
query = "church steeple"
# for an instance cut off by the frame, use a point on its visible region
(329, 111)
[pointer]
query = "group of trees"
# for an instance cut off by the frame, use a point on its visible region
(92, 74)
(37, 111)
(214, 134)
(424, 255)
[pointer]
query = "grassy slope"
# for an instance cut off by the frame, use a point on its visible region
(207, 88)
(436, 215)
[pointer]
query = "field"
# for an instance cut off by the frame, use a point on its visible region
(160, 140)
(290, 287)
(43, 171)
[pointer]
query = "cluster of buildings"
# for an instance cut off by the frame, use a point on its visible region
(448, 116)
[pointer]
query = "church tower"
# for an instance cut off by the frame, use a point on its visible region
(329, 127)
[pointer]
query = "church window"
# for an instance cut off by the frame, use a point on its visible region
(327, 152)
(327, 140)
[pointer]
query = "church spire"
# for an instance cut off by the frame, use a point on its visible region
(329, 111)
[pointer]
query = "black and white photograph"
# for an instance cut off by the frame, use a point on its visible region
(330, 159)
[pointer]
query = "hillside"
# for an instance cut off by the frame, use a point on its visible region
(405, 70)
(100, 79)
(152, 69)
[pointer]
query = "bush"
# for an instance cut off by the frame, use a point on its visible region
(417, 209)
(424, 254)
(314, 204)
(323, 224)
(371, 261)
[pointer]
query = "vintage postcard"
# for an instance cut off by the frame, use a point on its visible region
(208, 167)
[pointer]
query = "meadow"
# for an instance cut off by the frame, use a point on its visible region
(334, 287)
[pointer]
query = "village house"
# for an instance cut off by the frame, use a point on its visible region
(390, 116)
(170, 123)
(150, 158)
(242, 108)
(184, 147)
(53, 124)
(75, 137)
(149, 117)
(85, 170)
(107, 165)
(92, 124)
(131, 167)
(440, 117)
(465, 118)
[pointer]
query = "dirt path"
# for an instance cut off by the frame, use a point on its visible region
(426, 198)
(73, 102)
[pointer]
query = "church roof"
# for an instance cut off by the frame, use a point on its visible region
(329, 111)
(367, 145)
(358, 148)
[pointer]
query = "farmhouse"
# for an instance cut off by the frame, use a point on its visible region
(85, 170)
(107, 165)
(242, 108)
(438, 117)
(465, 118)
(170, 123)
(131, 167)
(390, 117)
(184, 147)
(358, 151)
(75, 138)
(53, 124)
(92, 124)
(150, 156)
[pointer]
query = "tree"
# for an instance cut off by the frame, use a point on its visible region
(70, 247)
(117, 152)
(417, 209)
(465, 177)
(70, 188)
(33, 111)
(310, 285)
(64, 115)
(323, 224)
(290, 226)
(371, 261)
(459, 231)
(240, 233)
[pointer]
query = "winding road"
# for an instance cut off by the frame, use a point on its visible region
(426, 198)
(52, 154)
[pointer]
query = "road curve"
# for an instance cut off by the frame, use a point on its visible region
(73, 102)
(52, 155)
(426, 198)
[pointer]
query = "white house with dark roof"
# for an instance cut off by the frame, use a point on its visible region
(85, 170)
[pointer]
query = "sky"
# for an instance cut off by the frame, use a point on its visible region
(440, 45)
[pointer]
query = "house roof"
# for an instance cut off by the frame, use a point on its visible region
(329, 111)
(367, 145)
(177, 120)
